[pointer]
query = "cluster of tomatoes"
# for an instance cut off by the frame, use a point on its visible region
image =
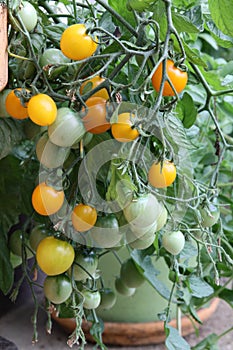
(62, 260)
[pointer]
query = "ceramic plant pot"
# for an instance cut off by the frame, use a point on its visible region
(134, 320)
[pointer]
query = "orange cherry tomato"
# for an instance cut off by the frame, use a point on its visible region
(83, 217)
(46, 200)
(95, 119)
(76, 44)
(162, 175)
(42, 109)
(123, 130)
(92, 83)
(178, 78)
(14, 107)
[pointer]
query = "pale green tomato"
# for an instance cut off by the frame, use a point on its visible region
(173, 242)
(91, 299)
(162, 219)
(51, 61)
(122, 288)
(58, 288)
(142, 211)
(49, 154)
(67, 129)
(108, 299)
(130, 275)
(28, 15)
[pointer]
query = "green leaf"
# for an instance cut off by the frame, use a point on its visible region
(199, 288)
(226, 295)
(221, 13)
(193, 55)
(188, 251)
(120, 7)
(174, 341)
(11, 132)
(55, 31)
(16, 186)
(187, 111)
(194, 313)
(6, 269)
(190, 21)
(106, 22)
(209, 343)
(222, 39)
(144, 261)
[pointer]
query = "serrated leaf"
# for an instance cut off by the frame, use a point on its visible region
(174, 341)
(150, 272)
(221, 13)
(11, 132)
(199, 288)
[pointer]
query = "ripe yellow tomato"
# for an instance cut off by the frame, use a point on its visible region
(178, 78)
(54, 256)
(42, 109)
(95, 119)
(83, 217)
(46, 200)
(76, 44)
(162, 175)
(92, 83)
(123, 130)
(13, 105)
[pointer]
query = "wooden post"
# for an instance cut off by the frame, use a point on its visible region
(3, 47)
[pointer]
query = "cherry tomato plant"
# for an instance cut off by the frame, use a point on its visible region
(116, 135)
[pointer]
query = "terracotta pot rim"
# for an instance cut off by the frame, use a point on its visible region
(141, 333)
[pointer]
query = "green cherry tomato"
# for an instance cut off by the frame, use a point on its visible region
(108, 299)
(162, 218)
(67, 129)
(16, 243)
(38, 233)
(49, 154)
(91, 299)
(130, 275)
(28, 15)
(85, 265)
(142, 211)
(105, 233)
(52, 61)
(173, 242)
(57, 289)
(121, 288)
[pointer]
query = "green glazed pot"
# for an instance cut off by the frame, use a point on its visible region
(145, 304)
